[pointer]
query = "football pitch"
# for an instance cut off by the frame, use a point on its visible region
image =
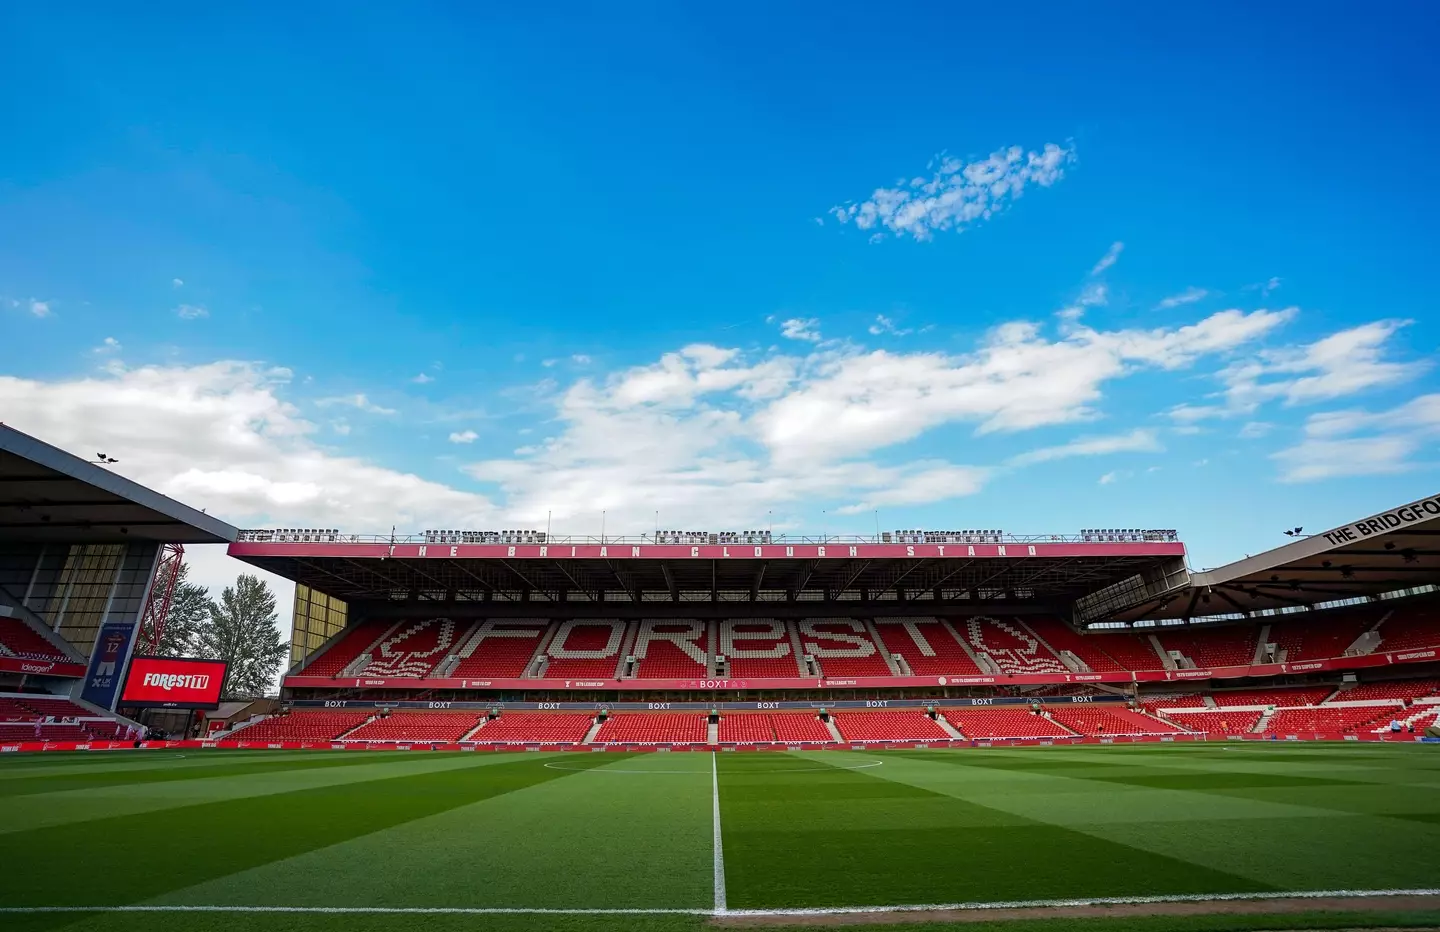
(418, 841)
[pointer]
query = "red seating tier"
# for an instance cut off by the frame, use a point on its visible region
(656, 728)
(1061, 636)
(1302, 695)
(1214, 647)
(745, 728)
(501, 649)
(1230, 723)
(302, 725)
(22, 641)
(1097, 720)
(995, 722)
(417, 726)
(928, 647)
(535, 728)
(666, 649)
(353, 641)
(1391, 689)
(795, 727)
(1330, 718)
(585, 649)
(763, 636)
(1410, 628)
(889, 725)
(1007, 642)
(1130, 651)
(1320, 638)
(415, 648)
(843, 647)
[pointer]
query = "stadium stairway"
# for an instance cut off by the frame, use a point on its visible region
(712, 734)
(594, 730)
(948, 728)
(834, 732)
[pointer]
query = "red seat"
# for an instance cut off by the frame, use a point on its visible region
(653, 728)
(889, 725)
(301, 725)
(535, 728)
(1103, 720)
(502, 650)
(757, 647)
(418, 726)
(585, 649)
(1000, 722)
(1010, 644)
(17, 639)
(843, 647)
(1216, 722)
(927, 645)
(345, 647)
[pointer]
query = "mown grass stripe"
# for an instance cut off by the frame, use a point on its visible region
(736, 913)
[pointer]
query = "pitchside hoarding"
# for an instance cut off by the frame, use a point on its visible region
(173, 683)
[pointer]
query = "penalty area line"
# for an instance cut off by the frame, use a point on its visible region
(738, 913)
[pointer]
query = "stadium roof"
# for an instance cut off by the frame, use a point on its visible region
(1393, 551)
(47, 494)
(1053, 569)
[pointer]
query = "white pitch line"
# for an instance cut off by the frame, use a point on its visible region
(817, 911)
(719, 844)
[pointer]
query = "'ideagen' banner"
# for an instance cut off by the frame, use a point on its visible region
(175, 683)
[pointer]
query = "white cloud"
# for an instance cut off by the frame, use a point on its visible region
(358, 401)
(1110, 477)
(1112, 255)
(1344, 363)
(1017, 379)
(796, 328)
(1188, 296)
(423, 379)
(580, 359)
(1360, 443)
(464, 436)
(39, 308)
(191, 312)
(341, 427)
(885, 324)
(548, 363)
(1095, 294)
(1136, 441)
(177, 283)
(107, 345)
(221, 437)
(957, 194)
(1255, 429)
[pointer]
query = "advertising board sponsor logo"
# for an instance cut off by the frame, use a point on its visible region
(169, 681)
(32, 667)
(1416, 655)
(372, 682)
(1305, 666)
(1192, 674)
(1423, 510)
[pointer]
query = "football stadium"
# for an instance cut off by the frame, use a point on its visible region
(514, 729)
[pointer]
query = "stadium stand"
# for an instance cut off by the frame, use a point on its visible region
(996, 722)
(19, 640)
(1409, 628)
(500, 649)
(1061, 637)
(793, 727)
(1318, 638)
(352, 643)
(48, 731)
(1130, 651)
(653, 728)
(1391, 689)
(585, 648)
(1098, 720)
(55, 707)
(1009, 645)
(1218, 647)
(889, 725)
(670, 648)
(843, 647)
(927, 645)
(415, 648)
(1216, 722)
(535, 728)
(417, 726)
(757, 647)
(1343, 719)
(768, 728)
(745, 728)
(1297, 696)
(301, 725)
(1155, 704)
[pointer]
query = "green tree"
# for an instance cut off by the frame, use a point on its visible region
(244, 631)
(189, 613)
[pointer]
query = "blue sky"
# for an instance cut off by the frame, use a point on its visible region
(1036, 270)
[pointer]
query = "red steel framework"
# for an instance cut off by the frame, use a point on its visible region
(167, 576)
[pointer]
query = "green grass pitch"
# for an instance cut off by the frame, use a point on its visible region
(406, 832)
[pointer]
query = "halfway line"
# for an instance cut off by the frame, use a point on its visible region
(719, 844)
